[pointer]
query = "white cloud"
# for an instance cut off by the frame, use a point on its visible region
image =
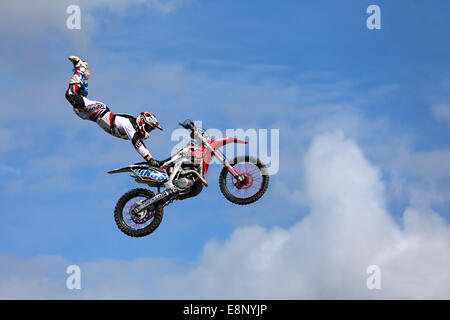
(419, 177)
(30, 20)
(442, 111)
(30, 278)
(323, 256)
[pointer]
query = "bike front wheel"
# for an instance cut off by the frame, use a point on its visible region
(254, 184)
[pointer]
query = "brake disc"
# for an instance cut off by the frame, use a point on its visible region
(142, 216)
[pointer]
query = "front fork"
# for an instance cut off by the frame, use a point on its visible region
(241, 179)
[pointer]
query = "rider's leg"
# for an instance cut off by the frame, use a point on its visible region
(73, 96)
(77, 91)
(76, 95)
(80, 69)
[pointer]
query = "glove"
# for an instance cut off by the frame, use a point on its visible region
(154, 163)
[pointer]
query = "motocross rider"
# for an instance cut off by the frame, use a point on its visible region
(119, 125)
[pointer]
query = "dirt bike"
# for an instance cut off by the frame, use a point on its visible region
(243, 180)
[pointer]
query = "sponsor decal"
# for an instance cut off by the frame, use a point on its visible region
(151, 174)
(94, 107)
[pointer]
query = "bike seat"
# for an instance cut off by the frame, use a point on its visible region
(141, 163)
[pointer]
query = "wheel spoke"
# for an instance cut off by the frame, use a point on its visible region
(253, 184)
(133, 221)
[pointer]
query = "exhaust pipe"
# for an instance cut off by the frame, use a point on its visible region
(202, 179)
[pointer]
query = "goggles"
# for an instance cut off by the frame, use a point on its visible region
(148, 127)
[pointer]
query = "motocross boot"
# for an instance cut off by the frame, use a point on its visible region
(81, 74)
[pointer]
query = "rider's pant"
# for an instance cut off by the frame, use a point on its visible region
(82, 106)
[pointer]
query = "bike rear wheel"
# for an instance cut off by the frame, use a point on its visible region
(137, 224)
(254, 185)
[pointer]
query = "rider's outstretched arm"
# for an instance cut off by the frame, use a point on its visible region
(143, 151)
(140, 147)
(133, 135)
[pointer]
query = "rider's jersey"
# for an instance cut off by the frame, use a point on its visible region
(119, 125)
(125, 127)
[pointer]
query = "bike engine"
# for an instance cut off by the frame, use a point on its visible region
(183, 183)
(191, 185)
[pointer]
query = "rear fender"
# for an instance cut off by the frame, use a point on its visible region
(128, 169)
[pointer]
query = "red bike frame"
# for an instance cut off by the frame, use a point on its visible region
(212, 149)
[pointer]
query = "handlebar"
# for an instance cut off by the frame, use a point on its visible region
(187, 124)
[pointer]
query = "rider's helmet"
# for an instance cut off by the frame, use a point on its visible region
(146, 123)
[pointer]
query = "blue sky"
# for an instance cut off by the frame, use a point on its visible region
(310, 69)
